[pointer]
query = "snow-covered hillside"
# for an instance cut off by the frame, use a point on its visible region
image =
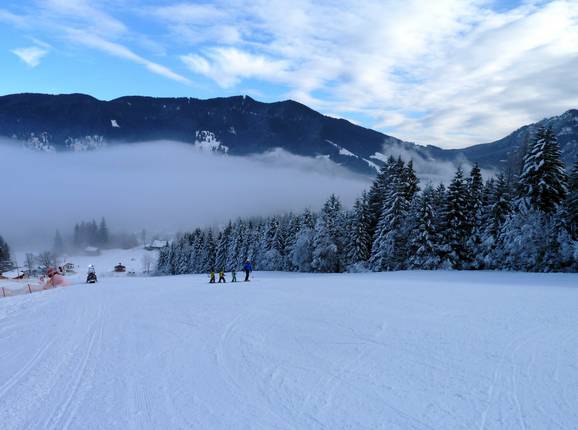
(405, 350)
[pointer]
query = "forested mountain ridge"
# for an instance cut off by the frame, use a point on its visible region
(240, 125)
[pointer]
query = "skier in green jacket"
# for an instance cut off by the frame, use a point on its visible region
(222, 276)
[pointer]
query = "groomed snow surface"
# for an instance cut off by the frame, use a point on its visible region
(407, 350)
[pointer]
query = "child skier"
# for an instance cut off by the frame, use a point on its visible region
(233, 276)
(212, 277)
(222, 277)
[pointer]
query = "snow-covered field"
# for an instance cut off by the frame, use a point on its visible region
(408, 350)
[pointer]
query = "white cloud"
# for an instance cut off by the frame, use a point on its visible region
(228, 66)
(30, 55)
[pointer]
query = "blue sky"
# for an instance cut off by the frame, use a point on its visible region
(449, 72)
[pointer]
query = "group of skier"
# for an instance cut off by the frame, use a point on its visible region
(247, 268)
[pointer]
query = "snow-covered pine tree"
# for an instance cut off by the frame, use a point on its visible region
(249, 239)
(358, 235)
(572, 202)
(325, 256)
(269, 236)
(255, 246)
(389, 251)
(328, 238)
(236, 242)
(267, 251)
(410, 181)
(456, 229)
(183, 252)
(501, 206)
(377, 193)
(93, 236)
(196, 251)
(76, 242)
(57, 244)
(475, 183)
(102, 234)
(275, 256)
(5, 260)
(439, 197)
(173, 258)
(558, 250)
(488, 194)
(522, 241)
(424, 240)
(543, 179)
(301, 252)
(209, 253)
(223, 248)
(308, 219)
(293, 229)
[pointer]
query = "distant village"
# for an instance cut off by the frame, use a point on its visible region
(87, 238)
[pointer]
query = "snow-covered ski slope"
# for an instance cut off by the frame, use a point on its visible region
(408, 350)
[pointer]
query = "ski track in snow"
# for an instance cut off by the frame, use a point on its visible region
(404, 350)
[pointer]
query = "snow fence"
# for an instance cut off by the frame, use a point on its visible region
(28, 288)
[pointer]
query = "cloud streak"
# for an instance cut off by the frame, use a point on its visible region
(120, 51)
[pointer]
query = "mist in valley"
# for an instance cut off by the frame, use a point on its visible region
(163, 187)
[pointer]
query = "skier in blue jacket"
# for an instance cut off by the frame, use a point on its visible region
(247, 268)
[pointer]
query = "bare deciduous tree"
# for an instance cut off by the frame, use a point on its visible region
(30, 262)
(47, 259)
(147, 263)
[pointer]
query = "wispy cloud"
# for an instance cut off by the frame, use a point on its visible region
(30, 55)
(11, 18)
(121, 51)
(229, 66)
(82, 13)
(88, 24)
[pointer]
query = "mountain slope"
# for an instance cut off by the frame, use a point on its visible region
(240, 125)
(237, 125)
(510, 148)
